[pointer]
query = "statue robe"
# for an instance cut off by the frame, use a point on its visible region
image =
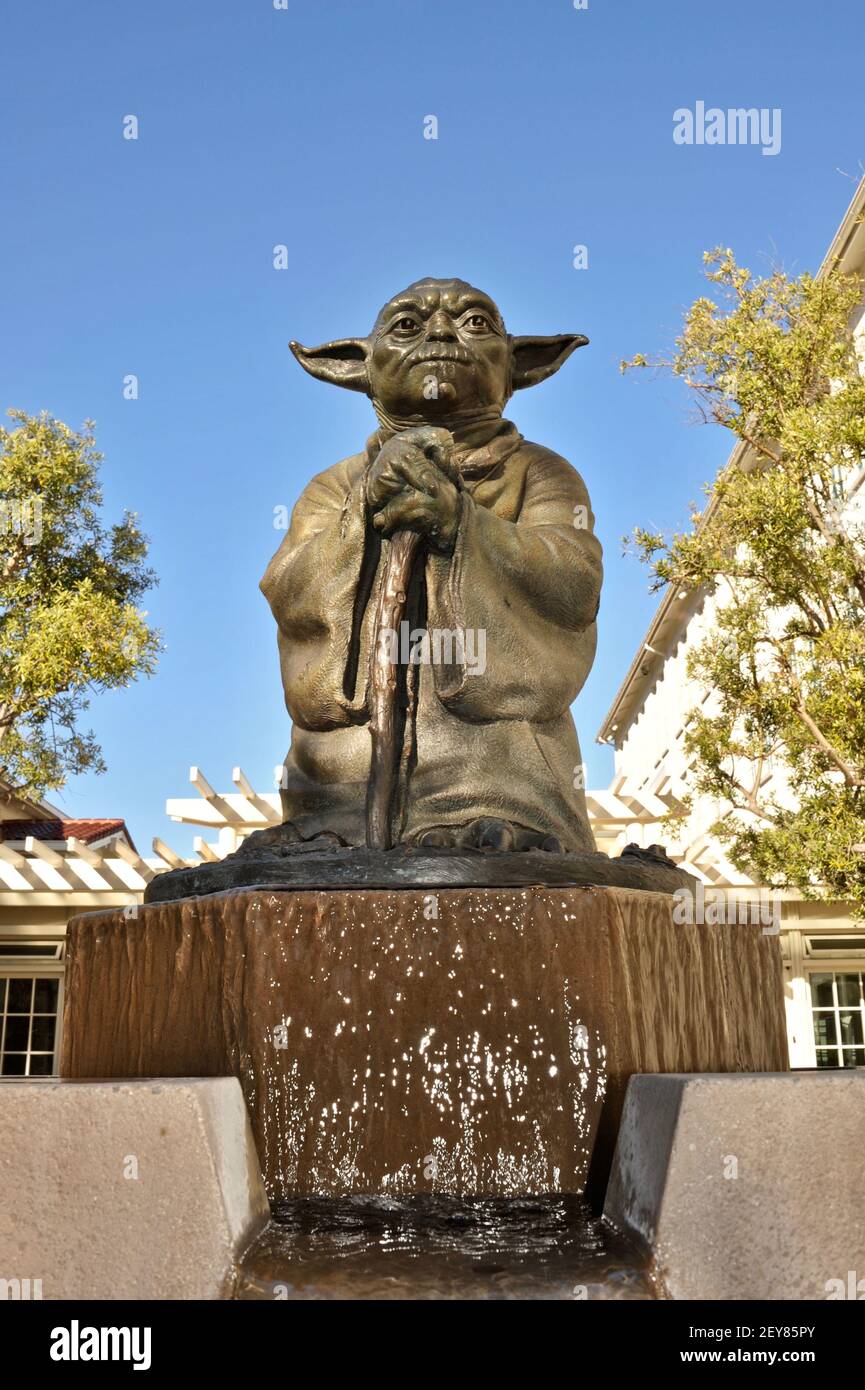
(525, 569)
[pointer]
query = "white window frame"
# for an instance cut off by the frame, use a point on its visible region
(831, 965)
(37, 968)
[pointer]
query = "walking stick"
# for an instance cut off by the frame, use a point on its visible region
(384, 725)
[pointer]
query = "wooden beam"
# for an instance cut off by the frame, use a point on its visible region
(133, 859)
(41, 851)
(193, 811)
(206, 851)
(665, 789)
(17, 867)
(245, 787)
(639, 808)
(606, 807)
(698, 848)
(164, 851)
(645, 806)
(90, 856)
(55, 862)
(114, 883)
(77, 899)
(243, 784)
(203, 787)
(11, 856)
(201, 784)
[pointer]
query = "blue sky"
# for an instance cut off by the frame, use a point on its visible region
(304, 127)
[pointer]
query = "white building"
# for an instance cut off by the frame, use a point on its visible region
(52, 867)
(824, 951)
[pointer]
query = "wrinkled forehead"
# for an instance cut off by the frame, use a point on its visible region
(453, 296)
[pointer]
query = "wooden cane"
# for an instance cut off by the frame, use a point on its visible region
(384, 725)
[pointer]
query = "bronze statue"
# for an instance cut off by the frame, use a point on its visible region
(436, 597)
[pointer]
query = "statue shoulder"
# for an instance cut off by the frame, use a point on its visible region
(547, 469)
(332, 484)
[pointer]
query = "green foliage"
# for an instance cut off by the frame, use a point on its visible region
(780, 547)
(70, 624)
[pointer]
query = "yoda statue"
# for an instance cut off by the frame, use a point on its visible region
(436, 597)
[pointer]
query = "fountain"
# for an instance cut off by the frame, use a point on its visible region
(426, 979)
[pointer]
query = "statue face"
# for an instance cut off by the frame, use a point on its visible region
(437, 348)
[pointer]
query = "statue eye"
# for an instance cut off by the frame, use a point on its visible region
(477, 322)
(406, 326)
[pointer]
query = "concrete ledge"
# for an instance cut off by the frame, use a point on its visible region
(745, 1187)
(125, 1189)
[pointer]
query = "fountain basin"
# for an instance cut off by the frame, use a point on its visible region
(461, 1041)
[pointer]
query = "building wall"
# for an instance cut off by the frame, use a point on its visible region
(823, 947)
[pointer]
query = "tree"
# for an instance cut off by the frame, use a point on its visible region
(69, 621)
(781, 545)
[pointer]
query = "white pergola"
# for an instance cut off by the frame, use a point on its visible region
(619, 815)
(109, 873)
(40, 873)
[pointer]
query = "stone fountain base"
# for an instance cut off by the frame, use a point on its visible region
(462, 1041)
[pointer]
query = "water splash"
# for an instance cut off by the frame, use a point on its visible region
(427, 1247)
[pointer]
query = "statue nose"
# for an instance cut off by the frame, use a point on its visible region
(440, 327)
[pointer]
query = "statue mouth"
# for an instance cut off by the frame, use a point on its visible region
(442, 354)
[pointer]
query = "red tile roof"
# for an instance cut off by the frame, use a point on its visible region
(87, 831)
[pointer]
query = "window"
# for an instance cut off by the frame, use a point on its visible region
(849, 946)
(28, 1025)
(838, 1008)
(31, 1002)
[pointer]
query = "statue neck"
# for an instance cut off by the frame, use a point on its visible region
(473, 428)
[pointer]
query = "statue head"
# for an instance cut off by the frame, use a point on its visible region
(438, 351)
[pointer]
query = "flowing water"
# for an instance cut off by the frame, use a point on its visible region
(437, 1247)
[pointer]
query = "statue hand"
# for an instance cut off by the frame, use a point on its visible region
(413, 485)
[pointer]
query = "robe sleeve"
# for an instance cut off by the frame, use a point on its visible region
(317, 585)
(526, 594)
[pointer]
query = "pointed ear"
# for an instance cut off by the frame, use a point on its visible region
(342, 363)
(534, 359)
